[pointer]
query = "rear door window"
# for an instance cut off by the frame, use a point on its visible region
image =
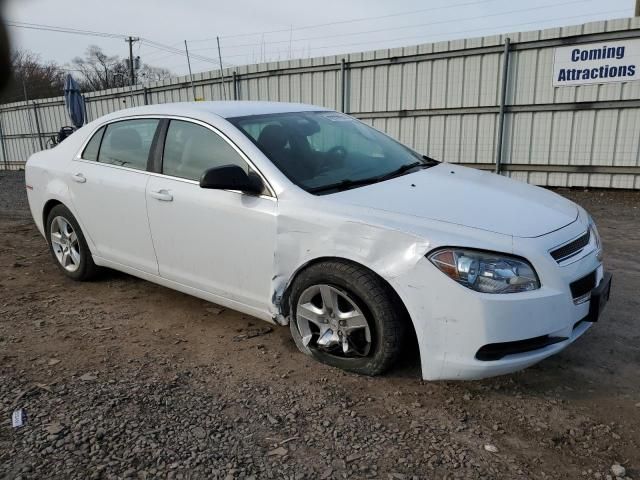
(93, 147)
(127, 143)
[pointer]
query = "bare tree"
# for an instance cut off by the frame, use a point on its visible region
(29, 74)
(100, 71)
(95, 71)
(148, 73)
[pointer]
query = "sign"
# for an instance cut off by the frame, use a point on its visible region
(604, 62)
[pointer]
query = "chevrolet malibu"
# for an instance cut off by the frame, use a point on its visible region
(304, 216)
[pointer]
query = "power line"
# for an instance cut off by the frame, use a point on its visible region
(176, 51)
(481, 29)
(207, 68)
(353, 20)
(157, 56)
(93, 33)
(510, 25)
(403, 27)
(159, 53)
(53, 28)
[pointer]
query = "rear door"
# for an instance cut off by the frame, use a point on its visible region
(221, 242)
(108, 184)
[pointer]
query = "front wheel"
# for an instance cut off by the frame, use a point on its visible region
(347, 317)
(67, 244)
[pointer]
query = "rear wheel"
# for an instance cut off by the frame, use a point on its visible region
(68, 246)
(347, 317)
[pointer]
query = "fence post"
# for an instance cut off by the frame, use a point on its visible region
(35, 113)
(235, 86)
(145, 92)
(343, 86)
(84, 108)
(503, 97)
(4, 148)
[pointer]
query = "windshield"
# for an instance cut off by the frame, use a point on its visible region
(325, 152)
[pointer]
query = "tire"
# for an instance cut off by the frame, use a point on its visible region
(78, 260)
(384, 313)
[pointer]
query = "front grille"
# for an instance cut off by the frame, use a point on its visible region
(583, 285)
(572, 248)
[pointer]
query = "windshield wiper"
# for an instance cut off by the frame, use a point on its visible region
(343, 185)
(405, 168)
(399, 171)
(348, 183)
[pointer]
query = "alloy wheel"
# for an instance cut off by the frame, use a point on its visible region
(64, 241)
(328, 319)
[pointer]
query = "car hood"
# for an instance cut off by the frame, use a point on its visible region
(469, 197)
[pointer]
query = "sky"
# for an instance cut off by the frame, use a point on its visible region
(266, 30)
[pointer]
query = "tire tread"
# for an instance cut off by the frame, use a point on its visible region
(88, 268)
(380, 300)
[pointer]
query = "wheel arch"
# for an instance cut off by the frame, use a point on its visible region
(54, 201)
(48, 206)
(285, 306)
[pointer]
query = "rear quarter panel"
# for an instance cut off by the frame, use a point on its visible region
(46, 176)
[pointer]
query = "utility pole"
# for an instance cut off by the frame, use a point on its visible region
(26, 102)
(193, 89)
(3, 148)
(503, 99)
(637, 12)
(224, 91)
(132, 69)
(291, 40)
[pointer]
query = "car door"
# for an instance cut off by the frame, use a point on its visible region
(218, 241)
(108, 185)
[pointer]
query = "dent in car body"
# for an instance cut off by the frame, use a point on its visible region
(305, 235)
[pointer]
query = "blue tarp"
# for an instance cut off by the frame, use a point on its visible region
(74, 101)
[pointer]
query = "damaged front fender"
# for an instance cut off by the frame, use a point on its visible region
(303, 237)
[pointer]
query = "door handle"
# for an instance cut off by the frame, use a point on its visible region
(78, 177)
(161, 195)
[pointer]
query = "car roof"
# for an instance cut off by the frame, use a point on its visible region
(228, 109)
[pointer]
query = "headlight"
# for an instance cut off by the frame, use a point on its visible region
(596, 237)
(486, 272)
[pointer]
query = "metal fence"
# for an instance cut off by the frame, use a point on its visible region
(487, 102)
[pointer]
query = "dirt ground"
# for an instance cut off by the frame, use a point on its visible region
(121, 378)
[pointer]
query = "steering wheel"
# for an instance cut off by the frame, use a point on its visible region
(338, 152)
(332, 159)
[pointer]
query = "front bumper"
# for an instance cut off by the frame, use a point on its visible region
(454, 323)
(473, 369)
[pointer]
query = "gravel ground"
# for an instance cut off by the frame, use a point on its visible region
(120, 378)
(13, 199)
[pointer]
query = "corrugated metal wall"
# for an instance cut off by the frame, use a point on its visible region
(441, 98)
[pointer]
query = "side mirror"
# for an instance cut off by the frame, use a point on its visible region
(231, 177)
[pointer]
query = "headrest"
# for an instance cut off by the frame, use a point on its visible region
(273, 137)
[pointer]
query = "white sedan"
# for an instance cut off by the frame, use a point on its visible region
(304, 216)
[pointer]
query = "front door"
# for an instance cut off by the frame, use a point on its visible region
(221, 242)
